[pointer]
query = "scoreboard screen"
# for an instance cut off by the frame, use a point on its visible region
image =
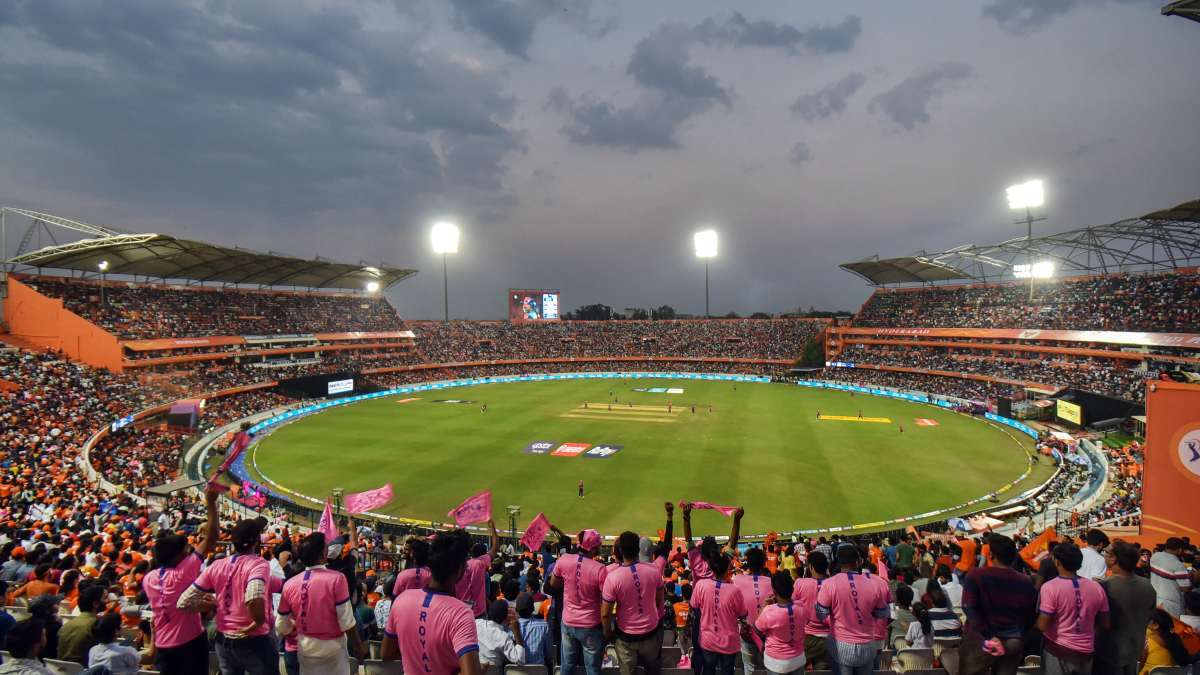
(532, 305)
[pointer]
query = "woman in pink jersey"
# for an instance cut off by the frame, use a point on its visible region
(782, 622)
(180, 643)
(416, 570)
(429, 629)
(238, 587)
(315, 608)
(721, 606)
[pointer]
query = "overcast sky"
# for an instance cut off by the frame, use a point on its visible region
(579, 143)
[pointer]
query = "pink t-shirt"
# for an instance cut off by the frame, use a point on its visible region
(582, 580)
(472, 587)
(1074, 604)
(413, 577)
(433, 630)
(805, 592)
(314, 597)
(784, 627)
(854, 602)
(227, 579)
(756, 588)
(721, 604)
(173, 626)
(634, 589)
(698, 564)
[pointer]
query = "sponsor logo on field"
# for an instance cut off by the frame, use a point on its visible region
(571, 449)
(603, 451)
(451, 400)
(539, 447)
(659, 390)
(923, 422)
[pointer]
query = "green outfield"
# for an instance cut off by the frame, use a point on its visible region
(761, 446)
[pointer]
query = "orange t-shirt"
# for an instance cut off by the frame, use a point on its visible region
(966, 563)
(772, 561)
(682, 609)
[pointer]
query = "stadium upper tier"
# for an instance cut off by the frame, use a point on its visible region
(143, 311)
(1167, 303)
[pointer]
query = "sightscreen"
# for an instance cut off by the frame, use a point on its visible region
(1069, 412)
(532, 305)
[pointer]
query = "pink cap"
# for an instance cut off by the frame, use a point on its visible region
(589, 540)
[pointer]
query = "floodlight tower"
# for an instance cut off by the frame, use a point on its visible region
(1028, 196)
(705, 242)
(445, 241)
(372, 287)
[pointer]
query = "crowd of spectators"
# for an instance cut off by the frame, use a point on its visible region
(957, 387)
(1166, 303)
(142, 311)
(1098, 375)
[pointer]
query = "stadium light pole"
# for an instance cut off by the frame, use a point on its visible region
(705, 242)
(1027, 196)
(103, 266)
(445, 241)
(372, 286)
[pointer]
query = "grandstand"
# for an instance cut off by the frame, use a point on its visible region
(94, 364)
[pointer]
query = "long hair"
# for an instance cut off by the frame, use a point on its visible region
(1164, 626)
(920, 611)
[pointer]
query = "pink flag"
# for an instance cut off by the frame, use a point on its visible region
(327, 527)
(536, 532)
(881, 568)
(726, 511)
(361, 502)
(476, 509)
(241, 441)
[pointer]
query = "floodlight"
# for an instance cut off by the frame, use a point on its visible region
(1042, 270)
(1027, 195)
(445, 237)
(103, 266)
(372, 286)
(706, 243)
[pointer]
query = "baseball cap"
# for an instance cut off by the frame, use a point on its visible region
(589, 540)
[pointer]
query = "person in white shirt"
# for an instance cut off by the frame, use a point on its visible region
(499, 634)
(120, 660)
(1169, 576)
(1094, 565)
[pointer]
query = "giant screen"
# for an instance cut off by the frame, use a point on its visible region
(532, 305)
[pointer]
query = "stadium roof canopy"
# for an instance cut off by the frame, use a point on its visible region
(163, 256)
(1159, 241)
(1188, 9)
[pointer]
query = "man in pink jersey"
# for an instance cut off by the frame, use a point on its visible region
(720, 606)
(1069, 610)
(238, 585)
(416, 570)
(429, 629)
(698, 557)
(805, 591)
(755, 584)
(581, 579)
(315, 608)
(472, 587)
(180, 643)
(636, 590)
(782, 621)
(853, 603)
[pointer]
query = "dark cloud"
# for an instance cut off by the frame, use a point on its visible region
(1026, 16)
(828, 100)
(263, 105)
(661, 62)
(510, 24)
(740, 32)
(907, 103)
(1084, 149)
(800, 153)
(651, 123)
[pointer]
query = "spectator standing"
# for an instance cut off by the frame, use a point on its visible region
(315, 605)
(1070, 609)
(721, 605)
(756, 586)
(1094, 565)
(1170, 577)
(581, 579)
(635, 589)
(472, 587)
(1001, 604)
(782, 621)
(805, 591)
(852, 603)
(416, 569)
(1131, 603)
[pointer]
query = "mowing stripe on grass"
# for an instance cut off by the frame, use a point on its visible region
(843, 418)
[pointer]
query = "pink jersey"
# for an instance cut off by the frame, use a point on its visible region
(433, 629)
(227, 579)
(413, 577)
(472, 587)
(634, 590)
(698, 565)
(1074, 604)
(756, 588)
(805, 592)
(721, 604)
(784, 627)
(582, 580)
(853, 602)
(173, 626)
(314, 597)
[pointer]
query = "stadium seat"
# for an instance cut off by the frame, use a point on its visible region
(1033, 660)
(374, 649)
(525, 670)
(376, 667)
(214, 665)
(1169, 670)
(62, 667)
(669, 656)
(914, 659)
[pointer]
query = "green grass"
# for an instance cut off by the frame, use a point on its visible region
(761, 447)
